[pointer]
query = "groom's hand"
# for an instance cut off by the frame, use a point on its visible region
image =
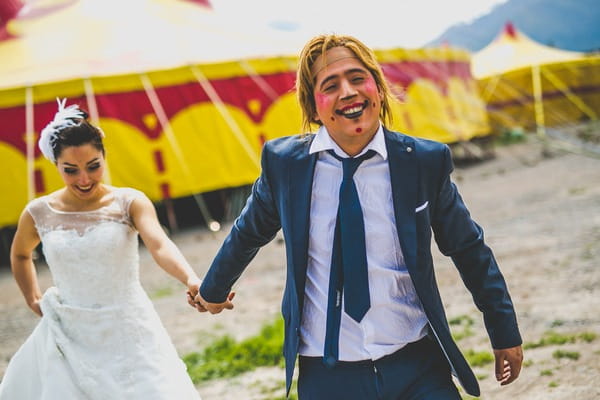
(213, 308)
(508, 364)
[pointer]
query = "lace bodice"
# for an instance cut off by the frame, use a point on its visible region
(93, 255)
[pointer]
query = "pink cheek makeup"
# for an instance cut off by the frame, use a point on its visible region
(370, 87)
(371, 90)
(323, 102)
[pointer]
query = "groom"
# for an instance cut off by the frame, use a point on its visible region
(357, 204)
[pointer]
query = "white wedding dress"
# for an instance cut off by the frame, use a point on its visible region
(100, 336)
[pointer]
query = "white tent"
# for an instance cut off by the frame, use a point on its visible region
(511, 50)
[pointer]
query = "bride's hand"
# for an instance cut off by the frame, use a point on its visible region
(193, 287)
(35, 307)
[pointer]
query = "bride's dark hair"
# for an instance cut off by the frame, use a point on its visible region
(78, 135)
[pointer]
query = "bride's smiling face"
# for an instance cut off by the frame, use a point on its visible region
(81, 169)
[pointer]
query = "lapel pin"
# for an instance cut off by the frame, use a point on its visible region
(409, 149)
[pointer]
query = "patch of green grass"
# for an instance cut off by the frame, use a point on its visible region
(464, 320)
(280, 386)
(551, 338)
(588, 251)
(227, 358)
(161, 292)
(576, 190)
(527, 363)
(219, 326)
(566, 262)
(465, 333)
(546, 372)
(510, 136)
(292, 396)
(572, 355)
(553, 384)
(589, 132)
(273, 390)
(588, 336)
(479, 358)
(293, 392)
(461, 327)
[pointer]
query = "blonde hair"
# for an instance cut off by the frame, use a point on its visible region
(305, 81)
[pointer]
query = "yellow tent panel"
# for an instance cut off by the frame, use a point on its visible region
(529, 85)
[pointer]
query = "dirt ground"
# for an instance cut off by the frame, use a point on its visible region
(541, 215)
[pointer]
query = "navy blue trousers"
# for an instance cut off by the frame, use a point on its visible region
(418, 371)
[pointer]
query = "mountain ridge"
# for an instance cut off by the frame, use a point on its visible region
(567, 24)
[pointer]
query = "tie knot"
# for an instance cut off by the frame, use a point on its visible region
(350, 164)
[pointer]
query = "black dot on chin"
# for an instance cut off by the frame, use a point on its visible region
(332, 118)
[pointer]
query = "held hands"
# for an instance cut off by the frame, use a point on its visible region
(508, 364)
(198, 302)
(193, 286)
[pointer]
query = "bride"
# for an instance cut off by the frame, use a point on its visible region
(99, 336)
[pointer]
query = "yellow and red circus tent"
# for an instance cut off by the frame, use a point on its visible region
(527, 84)
(186, 101)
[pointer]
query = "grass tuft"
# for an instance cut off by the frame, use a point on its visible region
(572, 355)
(461, 327)
(478, 358)
(227, 358)
(551, 338)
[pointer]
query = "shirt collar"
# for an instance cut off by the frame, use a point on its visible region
(324, 142)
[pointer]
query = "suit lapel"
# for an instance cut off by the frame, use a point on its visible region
(404, 179)
(300, 181)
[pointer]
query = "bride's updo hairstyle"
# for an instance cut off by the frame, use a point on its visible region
(69, 127)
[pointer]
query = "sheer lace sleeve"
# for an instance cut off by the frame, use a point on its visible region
(39, 212)
(126, 196)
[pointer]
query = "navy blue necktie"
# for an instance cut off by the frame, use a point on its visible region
(348, 262)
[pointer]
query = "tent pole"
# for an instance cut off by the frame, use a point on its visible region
(91, 101)
(216, 100)
(490, 87)
(168, 130)
(538, 100)
(259, 80)
(30, 142)
(569, 94)
(93, 109)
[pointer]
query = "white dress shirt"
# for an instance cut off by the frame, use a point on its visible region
(396, 316)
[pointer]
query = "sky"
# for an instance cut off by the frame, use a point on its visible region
(378, 23)
(127, 35)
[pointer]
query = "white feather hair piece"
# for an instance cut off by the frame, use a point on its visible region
(63, 118)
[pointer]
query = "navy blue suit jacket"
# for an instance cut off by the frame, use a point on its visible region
(420, 172)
